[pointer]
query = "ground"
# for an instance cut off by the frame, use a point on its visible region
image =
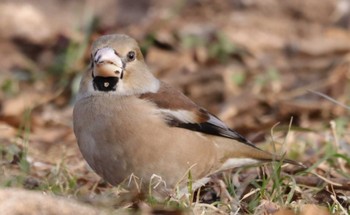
(276, 71)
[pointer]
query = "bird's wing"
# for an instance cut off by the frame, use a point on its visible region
(179, 111)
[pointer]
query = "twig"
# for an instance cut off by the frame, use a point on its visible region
(338, 183)
(329, 99)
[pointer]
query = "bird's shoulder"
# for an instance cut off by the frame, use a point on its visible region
(174, 103)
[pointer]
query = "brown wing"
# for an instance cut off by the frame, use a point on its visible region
(179, 111)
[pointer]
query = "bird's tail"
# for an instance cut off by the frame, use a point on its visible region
(234, 154)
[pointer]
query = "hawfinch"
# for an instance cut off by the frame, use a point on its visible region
(129, 124)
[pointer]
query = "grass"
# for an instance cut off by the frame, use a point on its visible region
(16, 154)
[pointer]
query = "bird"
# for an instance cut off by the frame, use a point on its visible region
(129, 125)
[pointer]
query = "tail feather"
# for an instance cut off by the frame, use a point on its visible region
(235, 154)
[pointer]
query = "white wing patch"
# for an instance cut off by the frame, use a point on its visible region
(181, 115)
(237, 162)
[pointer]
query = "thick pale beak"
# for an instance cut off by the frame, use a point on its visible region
(107, 63)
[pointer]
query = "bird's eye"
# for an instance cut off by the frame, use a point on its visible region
(131, 56)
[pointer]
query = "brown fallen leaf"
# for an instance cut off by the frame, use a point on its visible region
(24, 20)
(7, 131)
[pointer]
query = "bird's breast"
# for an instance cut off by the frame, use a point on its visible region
(123, 136)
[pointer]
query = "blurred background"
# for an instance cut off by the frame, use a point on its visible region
(254, 64)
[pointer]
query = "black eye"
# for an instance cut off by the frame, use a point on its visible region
(131, 56)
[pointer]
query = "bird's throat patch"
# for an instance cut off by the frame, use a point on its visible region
(105, 83)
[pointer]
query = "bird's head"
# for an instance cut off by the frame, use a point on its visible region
(117, 66)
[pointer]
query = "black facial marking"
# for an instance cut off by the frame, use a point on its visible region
(91, 61)
(105, 83)
(115, 52)
(98, 58)
(122, 75)
(94, 56)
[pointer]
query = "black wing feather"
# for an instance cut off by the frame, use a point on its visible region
(212, 128)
